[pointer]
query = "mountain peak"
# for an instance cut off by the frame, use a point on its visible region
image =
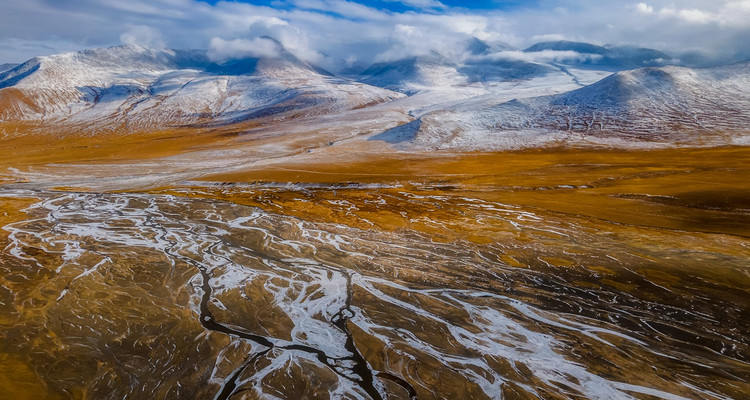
(143, 88)
(476, 46)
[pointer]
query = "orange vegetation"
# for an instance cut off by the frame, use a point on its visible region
(686, 189)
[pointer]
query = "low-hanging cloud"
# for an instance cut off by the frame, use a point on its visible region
(544, 56)
(222, 50)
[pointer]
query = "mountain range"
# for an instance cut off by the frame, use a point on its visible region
(649, 105)
(137, 88)
(483, 94)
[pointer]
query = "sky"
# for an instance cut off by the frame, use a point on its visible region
(341, 34)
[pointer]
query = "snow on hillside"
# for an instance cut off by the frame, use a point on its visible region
(140, 88)
(436, 71)
(470, 64)
(489, 96)
(668, 104)
(414, 74)
(479, 63)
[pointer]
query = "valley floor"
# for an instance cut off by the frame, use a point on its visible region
(340, 270)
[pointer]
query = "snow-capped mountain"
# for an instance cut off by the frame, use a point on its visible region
(415, 73)
(486, 96)
(474, 62)
(435, 70)
(670, 104)
(138, 88)
(477, 46)
(5, 67)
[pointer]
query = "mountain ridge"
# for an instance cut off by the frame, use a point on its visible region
(478, 101)
(479, 62)
(142, 88)
(655, 104)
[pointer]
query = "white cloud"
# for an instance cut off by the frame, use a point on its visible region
(222, 50)
(644, 8)
(549, 37)
(544, 56)
(346, 8)
(141, 35)
(727, 13)
(337, 33)
(697, 16)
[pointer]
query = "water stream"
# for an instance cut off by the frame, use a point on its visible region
(113, 296)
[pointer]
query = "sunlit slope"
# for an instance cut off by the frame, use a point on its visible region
(133, 88)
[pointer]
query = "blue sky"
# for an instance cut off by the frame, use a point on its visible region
(398, 6)
(338, 34)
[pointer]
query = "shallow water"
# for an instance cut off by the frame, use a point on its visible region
(173, 296)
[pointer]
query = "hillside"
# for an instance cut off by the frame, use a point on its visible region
(481, 63)
(133, 88)
(413, 74)
(482, 98)
(667, 104)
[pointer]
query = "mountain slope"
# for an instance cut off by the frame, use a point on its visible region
(477, 46)
(670, 104)
(479, 63)
(131, 87)
(415, 73)
(436, 71)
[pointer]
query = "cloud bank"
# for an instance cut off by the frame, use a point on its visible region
(221, 50)
(545, 56)
(339, 34)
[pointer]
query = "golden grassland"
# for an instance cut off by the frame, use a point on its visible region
(32, 148)
(17, 378)
(655, 201)
(703, 190)
(660, 204)
(11, 210)
(688, 191)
